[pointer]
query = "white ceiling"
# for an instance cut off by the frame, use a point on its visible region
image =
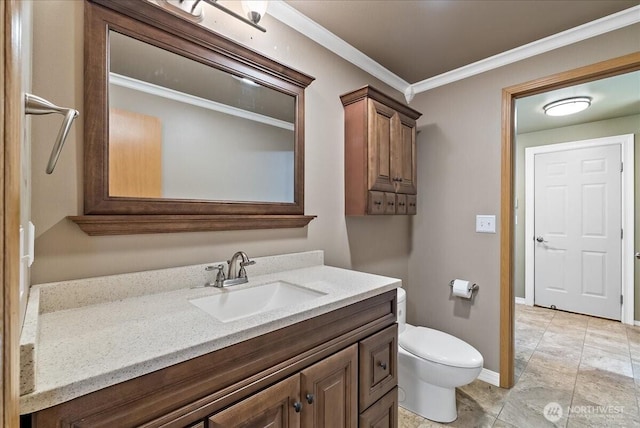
(414, 45)
(420, 39)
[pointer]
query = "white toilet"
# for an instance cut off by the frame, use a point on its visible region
(431, 365)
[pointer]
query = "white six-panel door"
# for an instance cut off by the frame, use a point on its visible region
(577, 230)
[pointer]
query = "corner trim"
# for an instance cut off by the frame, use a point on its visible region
(490, 377)
(311, 29)
(573, 35)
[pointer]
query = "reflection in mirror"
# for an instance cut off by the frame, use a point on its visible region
(179, 129)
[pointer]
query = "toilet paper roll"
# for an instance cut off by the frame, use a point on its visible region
(462, 288)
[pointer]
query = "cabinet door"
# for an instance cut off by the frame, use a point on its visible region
(381, 129)
(329, 391)
(404, 155)
(383, 413)
(378, 365)
(276, 407)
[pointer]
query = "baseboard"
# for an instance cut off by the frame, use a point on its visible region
(520, 301)
(636, 323)
(490, 377)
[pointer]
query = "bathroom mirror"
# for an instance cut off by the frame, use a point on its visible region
(180, 121)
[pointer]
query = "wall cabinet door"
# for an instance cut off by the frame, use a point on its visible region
(405, 172)
(277, 406)
(329, 391)
(382, 130)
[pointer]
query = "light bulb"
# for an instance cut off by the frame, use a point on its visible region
(254, 9)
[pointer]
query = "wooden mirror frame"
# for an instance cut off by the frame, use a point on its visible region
(107, 215)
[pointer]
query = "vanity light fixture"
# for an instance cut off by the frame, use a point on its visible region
(192, 10)
(567, 106)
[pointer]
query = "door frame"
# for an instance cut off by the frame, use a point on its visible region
(12, 114)
(626, 209)
(588, 73)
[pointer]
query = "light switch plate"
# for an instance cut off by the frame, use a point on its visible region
(486, 223)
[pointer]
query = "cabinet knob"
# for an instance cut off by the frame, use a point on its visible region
(377, 203)
(383, 365)
(297, 406)
(310, 398)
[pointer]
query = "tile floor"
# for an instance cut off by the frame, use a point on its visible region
(589, 366)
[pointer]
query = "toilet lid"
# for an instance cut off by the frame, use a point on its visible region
(440, 347)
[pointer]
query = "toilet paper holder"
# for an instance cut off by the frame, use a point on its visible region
(474, 286)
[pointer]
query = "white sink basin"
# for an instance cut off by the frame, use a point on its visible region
(231, 305)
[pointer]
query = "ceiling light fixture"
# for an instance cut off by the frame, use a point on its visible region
(192, 9)
(567, 106)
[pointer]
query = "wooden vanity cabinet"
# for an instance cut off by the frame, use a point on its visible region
(323, 395)
(308, 374)
(274, 407)
(380, 153)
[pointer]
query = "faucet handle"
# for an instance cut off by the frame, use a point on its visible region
(219, 276)
(243, 273)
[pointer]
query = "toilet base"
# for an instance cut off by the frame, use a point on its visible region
(429, 401)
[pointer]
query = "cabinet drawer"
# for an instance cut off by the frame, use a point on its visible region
(389, 203)
(376, 203)
(378, 365)
(411, 204)
(401, 204)
(382, 414)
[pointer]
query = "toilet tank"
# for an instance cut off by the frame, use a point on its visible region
(402, 310)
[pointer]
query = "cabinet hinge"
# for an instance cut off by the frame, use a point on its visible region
(621, 233)
(621, 166)
(621, 299)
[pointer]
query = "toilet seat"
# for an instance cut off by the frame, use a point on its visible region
(439, 347)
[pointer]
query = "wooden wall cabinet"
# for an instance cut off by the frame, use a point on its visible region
(380, 154)
(337, 370)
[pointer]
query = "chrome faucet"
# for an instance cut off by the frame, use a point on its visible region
(234, 276)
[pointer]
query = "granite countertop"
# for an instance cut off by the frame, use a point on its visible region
(82, 336)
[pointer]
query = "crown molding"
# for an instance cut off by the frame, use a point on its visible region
(591, 29)
(309, 28)
(170, 94)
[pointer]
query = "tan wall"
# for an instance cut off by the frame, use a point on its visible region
(603, 128)
(459, 177)
(458, 167)
(379, 245)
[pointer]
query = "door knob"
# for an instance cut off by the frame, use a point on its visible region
(638, 255)
(540, 239)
